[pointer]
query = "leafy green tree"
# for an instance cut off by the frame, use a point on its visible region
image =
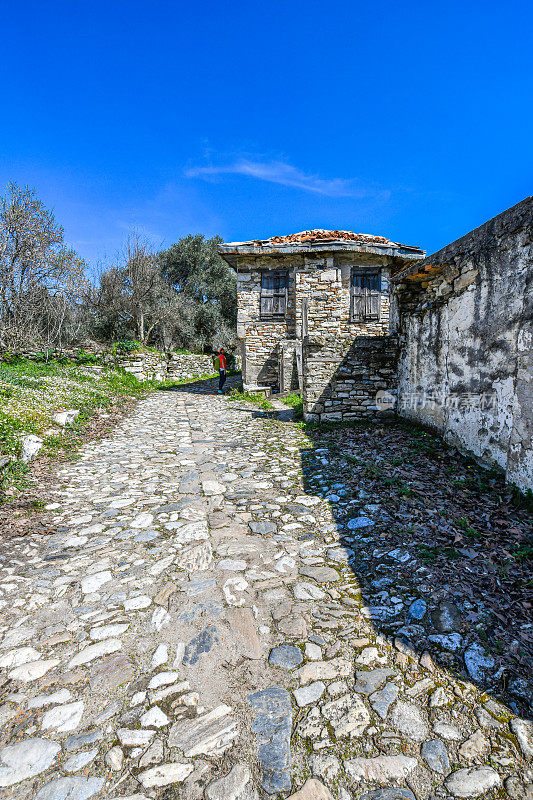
(207, 290)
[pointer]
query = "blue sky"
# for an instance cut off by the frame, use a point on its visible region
(410, 120)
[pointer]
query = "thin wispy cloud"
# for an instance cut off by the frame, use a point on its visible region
(285, 174)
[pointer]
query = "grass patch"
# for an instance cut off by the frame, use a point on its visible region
(522, 499)
(523, 553)
(248, 397)
(429, 553)
(296, 403)
(401, 488)
(467, 529)
(31, 392)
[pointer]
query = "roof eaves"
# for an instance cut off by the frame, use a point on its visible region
(333, 245)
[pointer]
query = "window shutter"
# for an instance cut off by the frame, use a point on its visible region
(373, 298)
(366, 296)
(273, 294)
(267, 303)
(358, 298)
(267, 294)
(282, 299)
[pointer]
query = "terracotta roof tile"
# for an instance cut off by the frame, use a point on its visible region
(321, 235)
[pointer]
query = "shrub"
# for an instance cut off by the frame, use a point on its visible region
(125, 347)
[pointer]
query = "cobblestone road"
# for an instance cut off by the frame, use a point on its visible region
(194, 628)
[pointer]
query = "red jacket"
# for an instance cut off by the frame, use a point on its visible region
(222, 361)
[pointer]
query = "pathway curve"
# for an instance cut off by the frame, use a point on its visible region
(194, 629)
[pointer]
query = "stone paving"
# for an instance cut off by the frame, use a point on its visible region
(194, 628)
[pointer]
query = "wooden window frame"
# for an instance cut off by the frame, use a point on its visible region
(365, 305)
(276, 293)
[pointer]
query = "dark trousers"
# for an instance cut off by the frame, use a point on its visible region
(222, 379)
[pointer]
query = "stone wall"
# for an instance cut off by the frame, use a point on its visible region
(466, 365)
(345, 363)
(168, 366)
(188, 365)
(323, 284)
(260, 338)
(341, 377)
(318, 303)
(144, 365)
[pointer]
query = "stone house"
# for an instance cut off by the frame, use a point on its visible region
(363, 326)
(314, 315)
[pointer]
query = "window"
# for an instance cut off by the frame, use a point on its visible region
(274, 295)
(365, 295)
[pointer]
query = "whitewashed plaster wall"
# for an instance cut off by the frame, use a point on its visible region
(466, 364)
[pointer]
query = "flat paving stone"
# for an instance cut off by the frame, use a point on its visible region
(368, 682)
(210, 734)
(70, 789)
(472, 781)
(200, 644)
(165, 774)
(271, 726)
(233, 786)
(63, 718)
(312, 789)
(309, 694)
(320, 574)
(285, 655)
(389, 794)
(80, 760)
(26, 759)
(262, 527)
(408, 719)
(436, 756)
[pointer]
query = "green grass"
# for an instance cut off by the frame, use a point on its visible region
(429, 553)
(296, 403)
(422, 442)
(522, 499)
(398, 485)
(248, 397)
(523, 552)
(467, 529)
(125, 347)
(31, 392)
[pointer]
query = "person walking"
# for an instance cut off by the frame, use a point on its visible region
(221, 369)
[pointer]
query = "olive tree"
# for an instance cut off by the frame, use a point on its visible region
(207, 290)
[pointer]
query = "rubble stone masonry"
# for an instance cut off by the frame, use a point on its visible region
(324, 283)
(342, 376)
(260, 338)
(345, 363)
(318, 308)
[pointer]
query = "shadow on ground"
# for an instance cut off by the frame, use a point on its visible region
(204, 385)
(440, 550)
